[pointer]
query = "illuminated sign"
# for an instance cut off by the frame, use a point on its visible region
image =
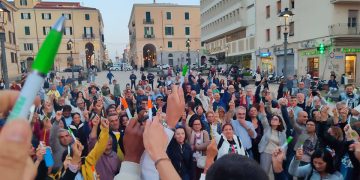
(350, 50)
(265, 54)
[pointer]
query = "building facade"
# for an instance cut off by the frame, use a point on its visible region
(228, 30)
(7, 26)
(158, 34)
(83, 29)
(333, 26)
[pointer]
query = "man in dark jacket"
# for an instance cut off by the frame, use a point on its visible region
(151, 78)
(133, 79)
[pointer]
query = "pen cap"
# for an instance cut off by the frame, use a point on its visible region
(45, 57)
(184, 70)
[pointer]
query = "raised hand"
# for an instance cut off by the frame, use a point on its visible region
(155, 139)
(95, 121)
(58, 116)
(104, 124)
(299, 154)
(211, 152)
(133, 141)
(262, 107)
(175, 105)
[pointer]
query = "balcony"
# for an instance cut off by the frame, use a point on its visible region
(344, 29)
(88, 36)
(344, 1)
(148, 21)
(149, 36)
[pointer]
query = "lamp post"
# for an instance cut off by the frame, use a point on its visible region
(226, 56)
(161, 53)
(285, 14)
(4, 68)
(198, 53)
(69, 48)
(188, 53)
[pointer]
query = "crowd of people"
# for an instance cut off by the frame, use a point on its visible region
(206, 127)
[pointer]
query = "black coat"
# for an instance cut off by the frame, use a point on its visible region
(181, 157)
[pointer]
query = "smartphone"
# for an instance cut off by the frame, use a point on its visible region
(314, 93)
(143, 119)
(49, 160)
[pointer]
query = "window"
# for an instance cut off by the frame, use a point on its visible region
(292, 4)
(14, 38)
(170, 45)
(68, 31)
(267, 11)
(10, 38)
(28, 47)
(278, 30)
(46, 30)
(168, 15)
(352, 18)
(87, 17)
(187, 31)
(9, 16)
(291, 29)
(27, 30)
(23, 2)
(148, 30)
(148, 16)
(25, 16)
(267, 34)
(88, 32)
(67, 16)
(13, 57)
(187, 16)
(169, 31)
(278, 5)
(46, 16)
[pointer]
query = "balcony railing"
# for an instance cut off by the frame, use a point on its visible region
(149, 36)
(148, 21)
(88, 36)
(344, 1)
(344, 29)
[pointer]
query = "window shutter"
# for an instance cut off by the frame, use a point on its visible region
(71, 31)
(44, 30)
(43, 15)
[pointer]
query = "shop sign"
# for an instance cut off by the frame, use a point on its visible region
(339, 57)
(265, 54)
(350, 50)
(281, 52)
(310, 53)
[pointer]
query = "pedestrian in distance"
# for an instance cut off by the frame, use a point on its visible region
(110, 75)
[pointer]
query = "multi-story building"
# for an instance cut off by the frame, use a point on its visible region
(7, 26)
(158, 34)
(228, 30)
(83, 28)
(334, 25)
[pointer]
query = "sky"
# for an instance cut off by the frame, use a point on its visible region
(116, 14)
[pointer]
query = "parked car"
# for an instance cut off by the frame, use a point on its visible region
(163, 66)
(115, 67)
(76, 68)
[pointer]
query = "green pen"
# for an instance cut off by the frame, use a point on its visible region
(43, 63)
(184, 71)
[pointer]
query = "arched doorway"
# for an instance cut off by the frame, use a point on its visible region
(149, 54)
(170, 59)
(89, 52)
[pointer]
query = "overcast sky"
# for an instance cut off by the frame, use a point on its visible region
(115, 15)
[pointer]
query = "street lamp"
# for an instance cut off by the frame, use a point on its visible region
(4, 68)
(188, 53)
(161, 53)
(226, 56)
(198, 53)
(69, 46)
(148, 57)
(285, 14)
